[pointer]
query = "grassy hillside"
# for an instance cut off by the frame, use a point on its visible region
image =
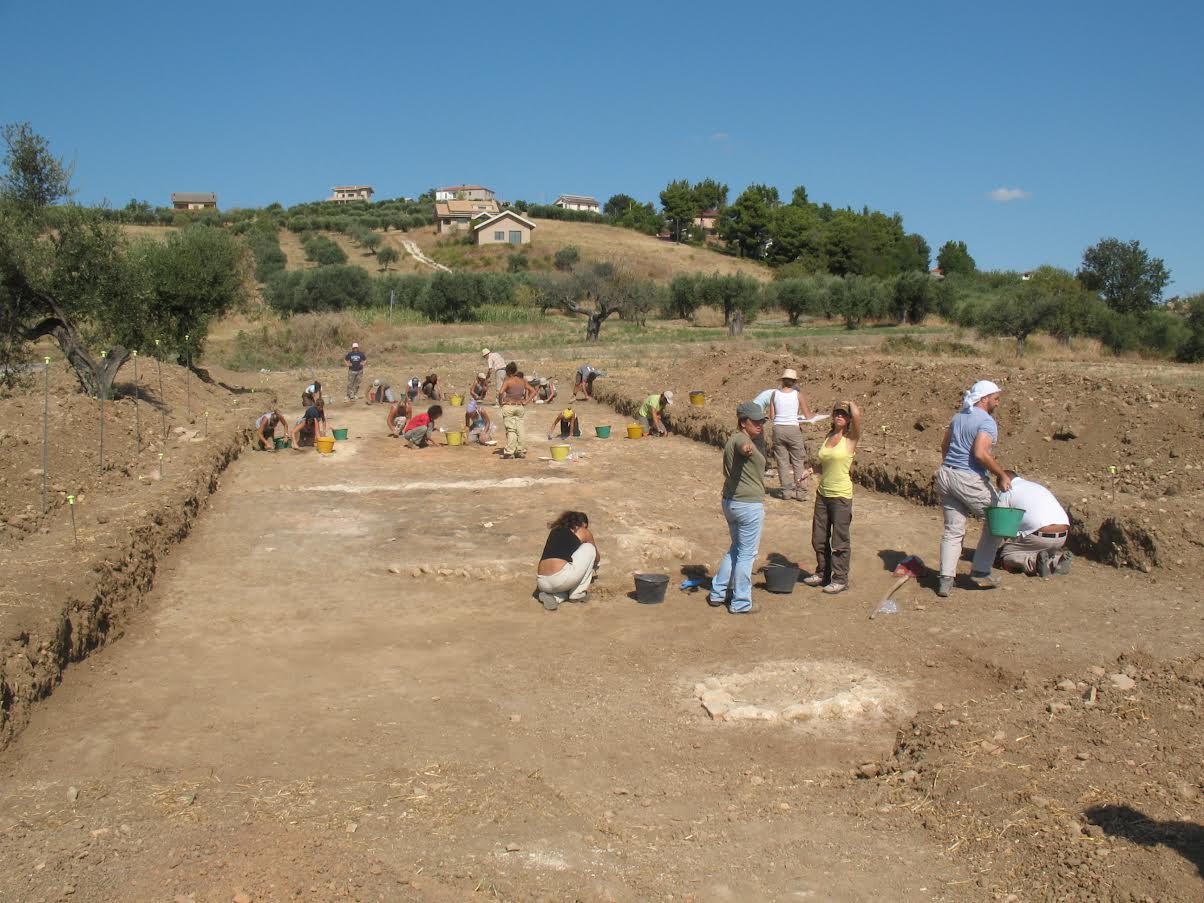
(648, 256)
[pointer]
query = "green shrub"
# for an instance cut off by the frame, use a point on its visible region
(322, 250)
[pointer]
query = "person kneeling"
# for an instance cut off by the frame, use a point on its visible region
(570, 558)
(420, 431)
(1036, 550)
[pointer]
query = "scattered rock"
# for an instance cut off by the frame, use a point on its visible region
(512, 848)
(241, 896)
(1089, 696)
(393, 569)
(73, 793)
(1057, 708)
(1096, 671)
(868, 770)
(352, 827)
(1122, 682)
(910, 776)
(1066, 684)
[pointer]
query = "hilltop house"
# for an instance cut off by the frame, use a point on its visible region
(465, 193)
(192, 200)
(346, 194)
(457, 215)
(578, 202)
(706, 220)
(506, 227)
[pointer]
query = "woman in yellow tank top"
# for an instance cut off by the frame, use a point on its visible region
(834, 501)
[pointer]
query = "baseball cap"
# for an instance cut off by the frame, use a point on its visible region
(355, 344)
(668, 396)
(750, 410)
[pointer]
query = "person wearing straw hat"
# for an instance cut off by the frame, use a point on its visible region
(480, 388)
(963, 484)
(568, 423)
(380, 393)
(650, 412)
(788, 447)
(545, 390)
(355, 370)
(743, 509)
(495, 366)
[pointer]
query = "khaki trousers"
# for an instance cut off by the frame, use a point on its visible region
(353, 382)
(790, 453)
(514, 420)
(965, 494)
(1021, 552)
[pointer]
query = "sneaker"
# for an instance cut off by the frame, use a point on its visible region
(584, 597)
(944, 586)
(833, 588)
(506, 456)
(752, 609)
(986, 581)
(520, 454)
(715, 603)
(813, 580)
(1062, 568)
(1044, 565)
(549, 600)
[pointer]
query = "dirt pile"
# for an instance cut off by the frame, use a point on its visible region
(1062, 427)
(1052, 791)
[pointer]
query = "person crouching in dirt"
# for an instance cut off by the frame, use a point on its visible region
(1037, 547)
(568, 423)
(650, 413)
(430, 387)
(479, 425)
(545, 392)
(312, 394)
(399, 415)
(583, 382)
(420, 431)
(831, 524)
(380, 393)
(311, 425)
(569, 561)
(265, 429)
(964, 484)
(479, 389)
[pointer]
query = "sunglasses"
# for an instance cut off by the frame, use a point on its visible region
(840, 412)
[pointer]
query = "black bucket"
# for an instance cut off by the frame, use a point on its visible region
(650, 588)
(781, 578)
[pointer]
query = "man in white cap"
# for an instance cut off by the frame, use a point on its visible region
(788, 447)
(964, 483)
(650, 412)
(355, 370)
(495, 364)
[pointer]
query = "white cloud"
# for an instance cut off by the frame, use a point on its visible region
(1004, 195)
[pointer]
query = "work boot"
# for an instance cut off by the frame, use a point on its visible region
(986, 581)
(1044, 565)
(1062, 568)
(944, 587)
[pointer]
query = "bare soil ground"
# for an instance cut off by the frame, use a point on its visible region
(340, 687)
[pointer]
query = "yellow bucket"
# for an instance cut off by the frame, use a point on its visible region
(560, 452)
(635, 431)
(457, 401)
(698, 399)
(455, 438)
(325, 444)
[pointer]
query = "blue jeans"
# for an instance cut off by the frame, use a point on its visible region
(734, 579)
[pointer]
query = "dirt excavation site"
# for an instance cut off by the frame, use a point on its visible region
(288, 676)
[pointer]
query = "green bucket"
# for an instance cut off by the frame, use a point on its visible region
(281, 443)
(340, 433)
(1004, 522)
(602, 431)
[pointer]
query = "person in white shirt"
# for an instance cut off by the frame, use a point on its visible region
(495, 365)
(761, 442)
(788, 448)
(1038, 547)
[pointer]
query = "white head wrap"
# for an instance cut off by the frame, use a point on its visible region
(977, 393)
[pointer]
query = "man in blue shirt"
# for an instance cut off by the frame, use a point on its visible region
(355, 370)
(964, 485)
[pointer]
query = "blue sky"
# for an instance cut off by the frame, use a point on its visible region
(1089, 115)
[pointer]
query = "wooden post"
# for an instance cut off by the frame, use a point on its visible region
(45, 430)
(162, 397)
(137, 421)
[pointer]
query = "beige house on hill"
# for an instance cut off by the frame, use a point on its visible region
(465, 193)
(346, 194)
(457, 216)
(505, 228)
(193, 200)
(578, 202)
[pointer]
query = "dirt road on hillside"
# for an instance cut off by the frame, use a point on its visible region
(342, 688)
